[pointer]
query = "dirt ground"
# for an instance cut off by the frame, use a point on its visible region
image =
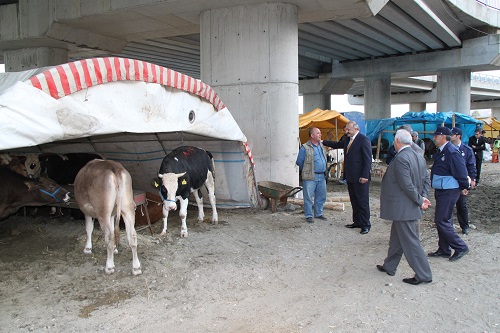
(253, 272)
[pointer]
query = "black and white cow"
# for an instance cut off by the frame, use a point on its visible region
(185, 170)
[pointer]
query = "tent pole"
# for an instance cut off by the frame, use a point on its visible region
(378, 146)
(453, 120)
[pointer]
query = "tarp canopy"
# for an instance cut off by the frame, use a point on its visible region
(330, 122)
(425, 123)
(491, 127)
(129, 111)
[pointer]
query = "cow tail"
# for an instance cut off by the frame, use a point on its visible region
(119, 197)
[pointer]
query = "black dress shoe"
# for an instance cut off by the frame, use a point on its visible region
(438, 254)
(321, 218)
(415, 281)
(364, 231)
(457, 255)
(465, 231)
(352, 226)
(382, 269)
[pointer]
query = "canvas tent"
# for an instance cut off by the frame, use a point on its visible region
(330, 122)
(129, 111)
(491, 127)
(425, 123)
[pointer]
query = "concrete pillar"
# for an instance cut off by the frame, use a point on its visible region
(417, 107)
(453, 91)
(24, 59)
(495, 112)
(249, 55)
(377, 97)
(313, 101)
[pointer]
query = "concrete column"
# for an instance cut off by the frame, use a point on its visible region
(453, 91)
(313, 101)
(24, 59)
(417, 107)
(495, 112)
(249, 55)
(377, 97)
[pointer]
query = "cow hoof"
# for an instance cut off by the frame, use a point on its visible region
(163, 233)
(184, 235)
(136, 271)
(116, 250)
(87, 250)
(215, 222)
(109, 270)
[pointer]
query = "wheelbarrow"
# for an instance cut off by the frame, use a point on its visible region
(277, 192)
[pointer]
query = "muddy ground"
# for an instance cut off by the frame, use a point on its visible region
(253, 272)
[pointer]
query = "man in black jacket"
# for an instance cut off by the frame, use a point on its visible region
(478, 144)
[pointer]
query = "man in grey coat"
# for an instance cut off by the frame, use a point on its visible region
(403, 196)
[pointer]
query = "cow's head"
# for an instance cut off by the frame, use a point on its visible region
(49, 190)
(170, 182)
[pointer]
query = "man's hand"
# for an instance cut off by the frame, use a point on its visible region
(464, 191)
(426, 204)
(363, 180)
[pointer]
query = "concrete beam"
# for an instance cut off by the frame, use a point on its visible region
(84, 38)
(479, 54)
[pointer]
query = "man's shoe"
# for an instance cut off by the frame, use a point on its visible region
(465, 231)
(352, 226)
(457, 255)
(364, 231)
(321, 218)
(438, 254)
(415, 281)
(309, 220)
(382, 269)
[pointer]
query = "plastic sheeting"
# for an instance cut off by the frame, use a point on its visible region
(129, 111)
(425, 123)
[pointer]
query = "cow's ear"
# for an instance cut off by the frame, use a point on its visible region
(179, 175)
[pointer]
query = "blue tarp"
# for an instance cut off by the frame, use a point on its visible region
(422, 122)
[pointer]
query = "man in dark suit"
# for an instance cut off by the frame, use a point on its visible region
(478, 145)
(403, 196)
(470, 163)
(357, 167)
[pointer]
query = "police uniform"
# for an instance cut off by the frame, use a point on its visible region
(470, 163)
(448, 178)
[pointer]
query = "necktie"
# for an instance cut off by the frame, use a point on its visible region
(350, 143)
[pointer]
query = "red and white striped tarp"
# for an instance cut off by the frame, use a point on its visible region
(68, 78)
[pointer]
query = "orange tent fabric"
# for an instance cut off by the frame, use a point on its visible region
(330, 123)
(491, 127)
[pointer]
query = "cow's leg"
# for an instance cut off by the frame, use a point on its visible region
(211, 196)
(199, 201)
(183, 215)
(165, 218)
(117, 232)
(128, 218)
(108, 226)
(89, 227)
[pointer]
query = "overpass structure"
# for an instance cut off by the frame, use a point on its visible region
(260, 54)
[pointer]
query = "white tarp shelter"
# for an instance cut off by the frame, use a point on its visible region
(128, 111)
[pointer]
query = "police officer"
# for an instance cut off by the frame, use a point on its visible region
(449, 179)
(470, 163)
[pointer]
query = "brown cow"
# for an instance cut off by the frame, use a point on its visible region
(103, 190)
(27, 165)
(17, 191)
